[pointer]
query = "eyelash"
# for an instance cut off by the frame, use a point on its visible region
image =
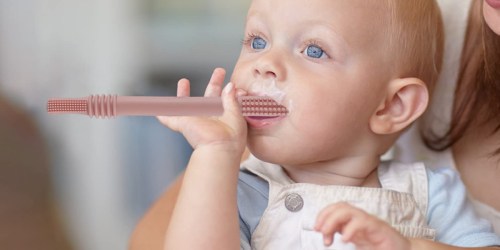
(249, 37)
(312, 42)
(316, 44)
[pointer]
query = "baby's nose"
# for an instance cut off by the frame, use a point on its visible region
(269, 66)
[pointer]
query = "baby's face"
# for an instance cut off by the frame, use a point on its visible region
(326, 61)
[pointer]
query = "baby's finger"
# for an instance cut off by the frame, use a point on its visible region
(232, 112)
(214, 87)
(356, 227)
(241, 92)
(229, 100)
(369, 229)
(172, 122)
(326, 213)
(333, 224)
(183, 88)
(340, 215)
(322, 216)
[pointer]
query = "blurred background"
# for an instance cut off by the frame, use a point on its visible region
(71, 182)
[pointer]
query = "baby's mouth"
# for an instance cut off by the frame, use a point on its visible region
(261, 107)
(269, 89)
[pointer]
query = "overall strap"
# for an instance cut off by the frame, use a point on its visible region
(407, 178)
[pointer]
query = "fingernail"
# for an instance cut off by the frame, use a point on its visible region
(229, 87)
(240, 92)
(327, 242)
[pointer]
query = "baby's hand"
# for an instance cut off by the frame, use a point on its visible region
(228, 130)
(358, 227)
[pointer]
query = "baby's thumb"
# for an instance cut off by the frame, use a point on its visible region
(231, 104)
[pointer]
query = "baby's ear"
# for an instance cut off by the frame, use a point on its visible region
(405, 101)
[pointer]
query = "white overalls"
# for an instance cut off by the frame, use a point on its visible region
(288, 221)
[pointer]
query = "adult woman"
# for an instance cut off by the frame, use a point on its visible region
(462, 127)
(150, 231)
(474, 133)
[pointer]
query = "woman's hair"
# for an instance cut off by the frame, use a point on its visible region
(477, 96)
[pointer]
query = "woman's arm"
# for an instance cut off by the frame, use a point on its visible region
(420, 244)
(150, 231)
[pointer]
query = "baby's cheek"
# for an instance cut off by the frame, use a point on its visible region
(309, 122)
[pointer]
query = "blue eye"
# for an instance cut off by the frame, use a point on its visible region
(258, 43)
(314, 51)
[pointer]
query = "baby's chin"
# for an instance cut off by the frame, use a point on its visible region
(274, 156)
(264, 154)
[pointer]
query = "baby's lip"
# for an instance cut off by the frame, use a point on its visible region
(259, 122)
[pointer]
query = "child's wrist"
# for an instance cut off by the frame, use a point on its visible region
(222, 148)
(222, 151)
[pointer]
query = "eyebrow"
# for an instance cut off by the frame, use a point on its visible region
(332, 35)
(330, 29)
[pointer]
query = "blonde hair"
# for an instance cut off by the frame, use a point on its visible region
(416, 39)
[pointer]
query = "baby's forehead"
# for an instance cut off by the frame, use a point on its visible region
(364, 16)
(343, 6)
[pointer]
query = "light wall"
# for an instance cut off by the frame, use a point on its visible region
(106, 173)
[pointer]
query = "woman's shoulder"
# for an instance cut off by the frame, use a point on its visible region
(451, 213)
(489, 213)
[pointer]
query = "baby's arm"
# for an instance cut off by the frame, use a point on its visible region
(205, 215)
(367, 231)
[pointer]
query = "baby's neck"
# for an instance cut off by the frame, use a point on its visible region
(345, 172)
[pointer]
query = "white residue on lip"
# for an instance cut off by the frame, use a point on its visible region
(268, 88)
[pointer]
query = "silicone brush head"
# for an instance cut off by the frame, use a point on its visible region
(261, 106)
(69, 106)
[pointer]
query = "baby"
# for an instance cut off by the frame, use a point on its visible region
(353, 75)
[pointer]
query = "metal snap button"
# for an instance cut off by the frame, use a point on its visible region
(294, 202)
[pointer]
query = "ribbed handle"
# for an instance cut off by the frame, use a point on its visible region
(102, 106)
